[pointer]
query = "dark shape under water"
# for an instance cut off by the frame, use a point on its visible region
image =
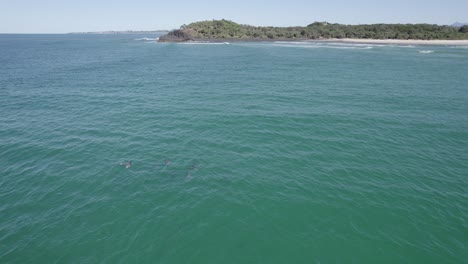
(193, 166)
(167, 162)
(188, 176)
(127, 164)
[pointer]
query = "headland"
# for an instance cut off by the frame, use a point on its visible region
(411, 34)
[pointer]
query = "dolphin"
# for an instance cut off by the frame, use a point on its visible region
(127, 164)
(187, 176)
(193, 167)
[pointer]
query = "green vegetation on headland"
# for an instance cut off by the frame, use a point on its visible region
(225, 29)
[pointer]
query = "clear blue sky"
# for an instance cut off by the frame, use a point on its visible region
(56, 16)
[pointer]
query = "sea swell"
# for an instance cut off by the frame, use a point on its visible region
(265, 148)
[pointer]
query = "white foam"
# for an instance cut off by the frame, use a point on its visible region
(147, 39)
(292, 42)
(425, 51)
(341, 44)
(357, 44)
(321, 45)
(204, 43)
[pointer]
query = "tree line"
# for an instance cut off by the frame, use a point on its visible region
(225, 29)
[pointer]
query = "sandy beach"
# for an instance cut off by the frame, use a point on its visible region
(401, 41)
(335, 40)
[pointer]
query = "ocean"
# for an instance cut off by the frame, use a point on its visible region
(119, 149)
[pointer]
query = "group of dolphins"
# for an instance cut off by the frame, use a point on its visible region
(128, 163)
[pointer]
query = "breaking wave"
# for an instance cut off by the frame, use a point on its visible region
(426, 51)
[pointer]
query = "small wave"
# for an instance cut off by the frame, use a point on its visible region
(366, 45)
(425, 51)
(204, 43)
(321, 45)
(292, 42)
(352, 44)
(407, 46)
(349, 44)
(355, 47)
(147, 39)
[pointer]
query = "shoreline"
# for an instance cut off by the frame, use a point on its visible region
(437, 42)
(441, 42)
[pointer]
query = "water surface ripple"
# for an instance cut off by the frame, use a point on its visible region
(279, 152)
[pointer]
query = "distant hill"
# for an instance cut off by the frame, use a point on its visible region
(458, 24)
(225, 29)
(124, 32)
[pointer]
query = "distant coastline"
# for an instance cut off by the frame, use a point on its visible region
(123, 32)
(225, 30)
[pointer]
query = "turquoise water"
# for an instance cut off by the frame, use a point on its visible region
(278, 152)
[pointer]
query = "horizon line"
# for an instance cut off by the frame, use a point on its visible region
(104, 32)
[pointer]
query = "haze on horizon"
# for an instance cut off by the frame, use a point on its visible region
(55, 16)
